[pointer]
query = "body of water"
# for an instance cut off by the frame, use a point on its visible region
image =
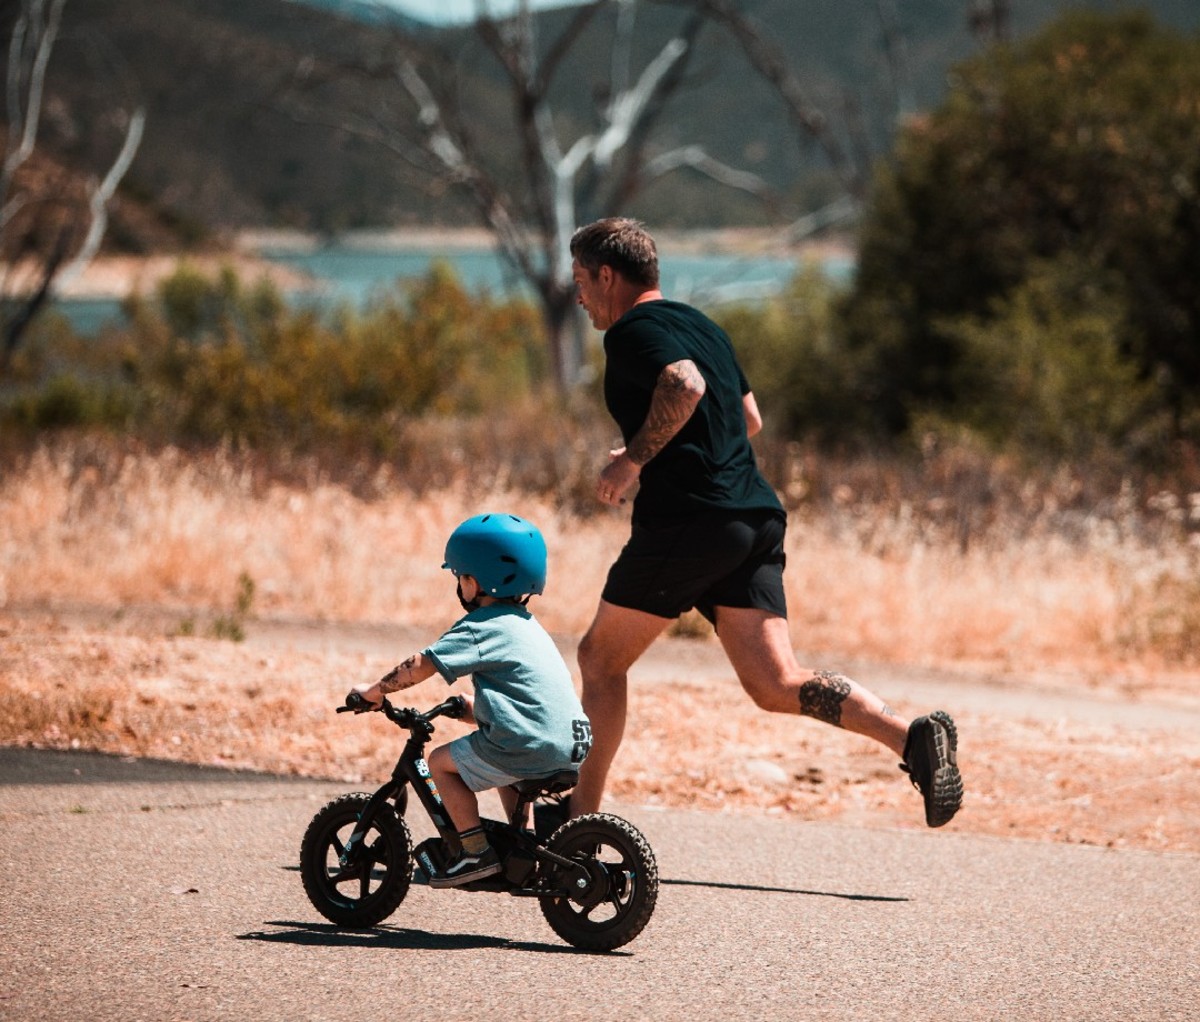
(348, 273)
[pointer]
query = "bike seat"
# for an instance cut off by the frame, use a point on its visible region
(561, 781)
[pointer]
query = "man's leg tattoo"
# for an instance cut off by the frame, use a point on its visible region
(822, 697)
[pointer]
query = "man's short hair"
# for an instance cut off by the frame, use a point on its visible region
(622, 244)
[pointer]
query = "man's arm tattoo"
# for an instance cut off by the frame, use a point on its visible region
(822, 697)
(679, 389)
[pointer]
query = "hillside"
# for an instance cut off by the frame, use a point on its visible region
(221, 152)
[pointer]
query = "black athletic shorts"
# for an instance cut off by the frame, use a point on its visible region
(719, 559)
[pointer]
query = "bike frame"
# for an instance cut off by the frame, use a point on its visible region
(413, 769)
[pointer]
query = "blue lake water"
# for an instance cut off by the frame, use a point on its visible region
(353, 274)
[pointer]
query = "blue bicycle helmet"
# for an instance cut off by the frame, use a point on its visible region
(505, 554)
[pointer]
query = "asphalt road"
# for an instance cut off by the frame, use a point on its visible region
(148, 891)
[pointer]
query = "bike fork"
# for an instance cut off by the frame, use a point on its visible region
(366, 818)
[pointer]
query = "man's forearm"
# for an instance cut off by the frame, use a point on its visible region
(678, 391)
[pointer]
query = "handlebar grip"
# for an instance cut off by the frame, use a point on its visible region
(355, 703)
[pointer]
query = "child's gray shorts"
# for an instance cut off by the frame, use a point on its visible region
(477, 774)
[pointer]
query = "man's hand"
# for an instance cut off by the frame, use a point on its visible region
(617, 478)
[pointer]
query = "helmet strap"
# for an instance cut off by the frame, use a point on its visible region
(468, 605)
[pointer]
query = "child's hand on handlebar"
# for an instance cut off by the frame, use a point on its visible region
(468, 714)
(371, 693)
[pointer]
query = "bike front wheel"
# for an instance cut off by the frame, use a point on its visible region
(359, 888)
(622, 886)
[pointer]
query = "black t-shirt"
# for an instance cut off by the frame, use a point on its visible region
(709, 464)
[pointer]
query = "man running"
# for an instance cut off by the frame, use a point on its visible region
(707, 528)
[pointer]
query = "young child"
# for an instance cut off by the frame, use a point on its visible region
(530, 721)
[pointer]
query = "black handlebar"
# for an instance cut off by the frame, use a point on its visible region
(355, 703)
(454, 707)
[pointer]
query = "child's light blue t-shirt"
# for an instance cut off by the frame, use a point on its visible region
(531, 723)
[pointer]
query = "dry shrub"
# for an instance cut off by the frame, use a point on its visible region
(964, 557)
(971, 569)
(106, 549)
(124, 528)
(78, 713)
(1162, 618)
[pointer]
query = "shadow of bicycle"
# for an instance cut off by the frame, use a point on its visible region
(396, 938)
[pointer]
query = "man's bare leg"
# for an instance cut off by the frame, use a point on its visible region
(759, 647)
(617, 637)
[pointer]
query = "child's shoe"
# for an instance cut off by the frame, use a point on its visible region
(468, 867)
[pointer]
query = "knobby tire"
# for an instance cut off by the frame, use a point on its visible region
(375, 885)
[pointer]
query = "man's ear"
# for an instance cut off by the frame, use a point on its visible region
(606, 275)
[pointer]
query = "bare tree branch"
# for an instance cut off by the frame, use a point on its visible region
(33, 38)
(631, 180)
(35, 246)
(988, 20)
(562, 46)
(26, 310)
(895, 47)
(821, 219)
(36, 30)
(563, 169)
(773, 65)
(101, 195)
(454, 158)
(695, 157)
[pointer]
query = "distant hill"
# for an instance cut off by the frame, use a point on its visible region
(219, 152)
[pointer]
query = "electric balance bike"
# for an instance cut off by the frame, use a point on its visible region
(595, 876)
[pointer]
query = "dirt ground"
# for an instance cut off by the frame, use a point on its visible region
(1109, 761)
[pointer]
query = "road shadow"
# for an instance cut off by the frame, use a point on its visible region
(779, 890)
(395, 938)
(23, 766)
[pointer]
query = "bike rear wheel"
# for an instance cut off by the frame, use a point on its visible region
(369, 886)
(622, 890)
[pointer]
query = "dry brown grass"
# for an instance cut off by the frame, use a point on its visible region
(115, 563)
(868, 578)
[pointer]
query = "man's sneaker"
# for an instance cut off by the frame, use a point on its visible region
(930, 759)
(468, 867)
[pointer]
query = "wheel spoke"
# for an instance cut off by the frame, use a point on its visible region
(620, 895)
(340, 878)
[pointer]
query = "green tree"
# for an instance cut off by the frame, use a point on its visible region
(219, 360)
(1043, 371)
(792, 352)
(1081, 143)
